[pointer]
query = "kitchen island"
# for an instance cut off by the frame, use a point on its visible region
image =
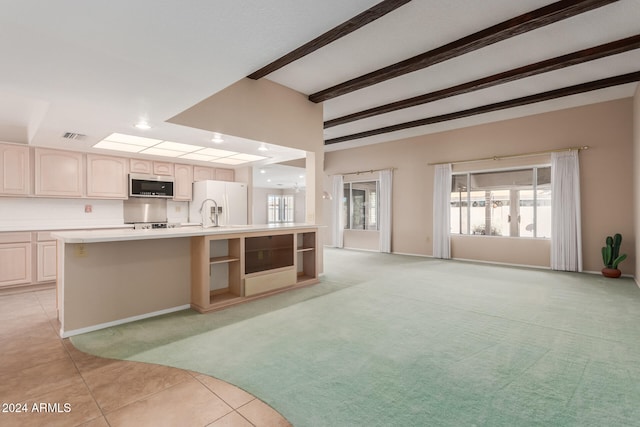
(110, 277)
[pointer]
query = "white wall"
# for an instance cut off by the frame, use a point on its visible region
(260, 204)
(177, 211)
(48, 213)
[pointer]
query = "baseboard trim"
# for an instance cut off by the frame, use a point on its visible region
(21, 289)
(67, 334)
(505, 264)
(416, 255)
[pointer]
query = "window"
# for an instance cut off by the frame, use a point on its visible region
(515, 203)
(360, 210)
(280, 208)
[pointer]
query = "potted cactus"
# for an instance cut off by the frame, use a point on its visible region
(611, 256)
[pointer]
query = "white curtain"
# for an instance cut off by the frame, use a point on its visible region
(442, 211)
(384, 221)
(337, 192)
(566, 235)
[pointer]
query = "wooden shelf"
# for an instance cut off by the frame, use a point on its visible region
(222, 259)
(304, 278)
(217, 297)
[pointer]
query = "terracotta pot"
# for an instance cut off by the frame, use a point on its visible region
(614, 273)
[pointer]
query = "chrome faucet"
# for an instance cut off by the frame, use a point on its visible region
(213, 216)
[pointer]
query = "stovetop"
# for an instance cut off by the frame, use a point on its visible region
(154, 225)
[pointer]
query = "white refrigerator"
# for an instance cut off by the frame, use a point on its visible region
(231, 198)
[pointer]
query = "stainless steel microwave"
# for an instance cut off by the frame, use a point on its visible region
(150, 186)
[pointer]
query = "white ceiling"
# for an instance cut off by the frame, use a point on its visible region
(282, 177)
(98, 67)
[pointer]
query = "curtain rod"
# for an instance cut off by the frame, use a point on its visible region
(533, 153)
(367, 171)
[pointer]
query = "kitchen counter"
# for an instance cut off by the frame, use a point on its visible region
(109, 277)
(105, 235)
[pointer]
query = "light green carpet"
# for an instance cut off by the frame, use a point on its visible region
(389, 340)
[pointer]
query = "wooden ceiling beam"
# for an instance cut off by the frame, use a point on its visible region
(517, 102)
(330, 36)
(538, 18)
(556, 63)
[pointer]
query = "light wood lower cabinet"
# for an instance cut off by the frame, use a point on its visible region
(15, 259)
(231, 269)
(46, 261)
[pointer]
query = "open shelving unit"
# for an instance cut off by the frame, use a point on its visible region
(306, 267)
(228, 270)
(216, 281)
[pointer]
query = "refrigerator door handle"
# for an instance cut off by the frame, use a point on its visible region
(226, 211)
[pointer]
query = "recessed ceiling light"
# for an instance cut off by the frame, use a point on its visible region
(142, 125)
(263, 171)
(263, 147)
(217, 138)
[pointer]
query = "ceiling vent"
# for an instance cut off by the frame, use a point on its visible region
(73, 135)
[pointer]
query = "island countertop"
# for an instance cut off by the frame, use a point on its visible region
(110, 277)
(106, 235)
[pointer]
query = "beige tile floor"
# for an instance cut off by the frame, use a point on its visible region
(62, 386)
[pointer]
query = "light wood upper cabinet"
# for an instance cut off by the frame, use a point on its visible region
(163, 168)
(203, 173)
(14, 169)
(106, 177)
(140, 166)
(59, 173)
(225, 175)
(183, 180)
